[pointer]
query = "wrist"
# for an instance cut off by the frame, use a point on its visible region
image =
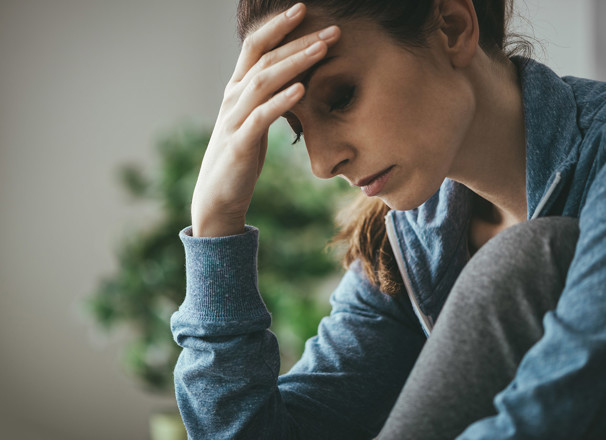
(217, 228)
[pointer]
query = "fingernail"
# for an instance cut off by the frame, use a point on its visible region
(292, 12)
(314, 48)
(328, 33)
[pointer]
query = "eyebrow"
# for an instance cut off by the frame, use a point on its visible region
(309, 74)
(313, 69)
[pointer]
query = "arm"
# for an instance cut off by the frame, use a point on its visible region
(559, 391)
(227, 381)
(227, 376)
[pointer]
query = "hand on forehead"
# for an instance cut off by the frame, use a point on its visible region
(314, 21)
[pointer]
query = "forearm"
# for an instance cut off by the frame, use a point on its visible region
(226, 374)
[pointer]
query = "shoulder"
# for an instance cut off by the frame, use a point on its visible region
(590, 100)
(545, 92)
(590, 97)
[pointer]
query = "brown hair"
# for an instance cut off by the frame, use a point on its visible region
(408, 22)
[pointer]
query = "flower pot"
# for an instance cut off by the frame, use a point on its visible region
(167, 426)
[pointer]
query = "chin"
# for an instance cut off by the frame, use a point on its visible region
(398, 205)
(407, 201)
(413, 190)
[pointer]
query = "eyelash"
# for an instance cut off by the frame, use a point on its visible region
(345, 97)
(296, 127)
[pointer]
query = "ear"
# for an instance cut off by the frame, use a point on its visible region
(459, 30)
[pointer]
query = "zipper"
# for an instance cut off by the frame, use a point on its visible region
(547, 196)
(425, 321)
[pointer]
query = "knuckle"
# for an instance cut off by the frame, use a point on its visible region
(228, 104)
(256, 117)
(295, 61)
(273, 107)
(231, 123)
(306, 41)
(257, 83)
(232, 83)
(266, 61)
(230, 94)
(229, 101)
(249, 42)
(228, 91)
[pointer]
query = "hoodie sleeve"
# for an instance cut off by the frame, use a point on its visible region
(559, 390)
(226, 379)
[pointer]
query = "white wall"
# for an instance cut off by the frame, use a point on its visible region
(565, 33)
(86, 85)
(600, 46)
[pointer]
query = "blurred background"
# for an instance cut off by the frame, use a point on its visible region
(85, 87)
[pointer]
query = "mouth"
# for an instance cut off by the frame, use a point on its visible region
(372, 185)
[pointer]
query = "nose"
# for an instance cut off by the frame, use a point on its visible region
(329, 157)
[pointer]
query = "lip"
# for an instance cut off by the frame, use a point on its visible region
(374, 184)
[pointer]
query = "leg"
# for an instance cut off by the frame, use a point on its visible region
(492, 317)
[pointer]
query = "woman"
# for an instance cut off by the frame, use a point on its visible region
(418, 104)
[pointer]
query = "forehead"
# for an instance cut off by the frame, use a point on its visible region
(352, 29)
(314, 20)
(363, 42)
(355, 30)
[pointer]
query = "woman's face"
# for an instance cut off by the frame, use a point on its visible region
(387, 119)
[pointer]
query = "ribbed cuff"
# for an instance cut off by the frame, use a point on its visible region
(221, 276)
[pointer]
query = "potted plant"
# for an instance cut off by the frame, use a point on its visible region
(293, 211)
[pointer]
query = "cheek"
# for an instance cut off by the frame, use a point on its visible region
(422, 130)
(434, 116)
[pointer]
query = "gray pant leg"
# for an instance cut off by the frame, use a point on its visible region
(493, 315)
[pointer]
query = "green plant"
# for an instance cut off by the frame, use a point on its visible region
(294, 213)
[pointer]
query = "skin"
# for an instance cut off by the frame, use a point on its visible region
(447, 110)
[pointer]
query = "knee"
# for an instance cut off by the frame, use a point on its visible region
(525, 266)
(543, 245)
(554, 231)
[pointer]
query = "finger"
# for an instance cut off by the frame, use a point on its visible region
(329, 35)
(264, 115)
(266, 38)
(268, 82)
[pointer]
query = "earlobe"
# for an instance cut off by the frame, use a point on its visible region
(459, 29)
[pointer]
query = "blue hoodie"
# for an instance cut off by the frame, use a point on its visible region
(351, 373)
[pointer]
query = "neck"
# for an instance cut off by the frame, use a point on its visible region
(492, 160)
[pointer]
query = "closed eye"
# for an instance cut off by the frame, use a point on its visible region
(343, 96)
